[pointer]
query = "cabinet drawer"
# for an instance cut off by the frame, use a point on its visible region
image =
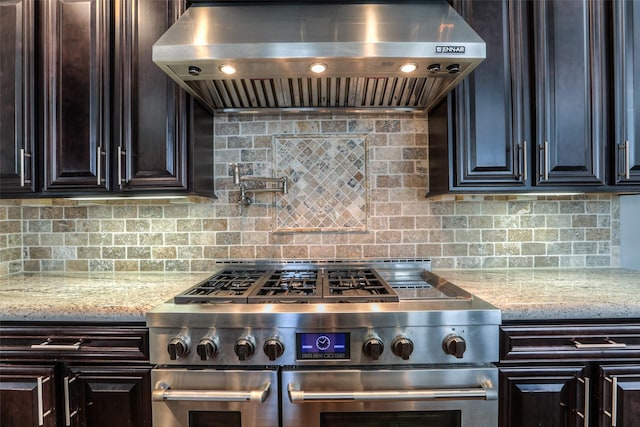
(71, 343)
(575, 342)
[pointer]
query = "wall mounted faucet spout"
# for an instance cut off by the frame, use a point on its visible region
(282, 184)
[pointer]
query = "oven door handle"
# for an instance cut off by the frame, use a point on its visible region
(163, 392)
(482, 392)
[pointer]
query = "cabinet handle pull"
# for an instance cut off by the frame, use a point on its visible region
(67, 401)
(100, 153)
(608, 344)
(524, 170)
(23, 156)
(56, 347)
(587, 391)
(525, 157)
(614, 401)
(624, 147)
(121, 153)
(544, 148)
(40, 403)
(41, 413)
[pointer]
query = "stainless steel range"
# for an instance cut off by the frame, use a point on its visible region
(324, 344)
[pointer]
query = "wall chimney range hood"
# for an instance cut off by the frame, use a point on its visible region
(313, 57)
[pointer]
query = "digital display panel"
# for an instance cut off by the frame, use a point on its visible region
(321, 345)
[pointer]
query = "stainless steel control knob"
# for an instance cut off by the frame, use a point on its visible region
(454, 345)
(207, 348)
(373, 348)
(244, 348)
(273, 348)
(178, 347)
(402, 347)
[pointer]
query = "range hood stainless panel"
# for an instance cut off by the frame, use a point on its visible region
(363, 46)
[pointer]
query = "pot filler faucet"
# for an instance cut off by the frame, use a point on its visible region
(282, 184)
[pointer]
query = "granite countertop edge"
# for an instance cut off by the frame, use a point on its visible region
(110, 297)
(554, 293)
(520, 294)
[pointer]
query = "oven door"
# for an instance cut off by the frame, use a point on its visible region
(439, 396)
(214, 398)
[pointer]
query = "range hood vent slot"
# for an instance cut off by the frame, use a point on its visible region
(316, 94)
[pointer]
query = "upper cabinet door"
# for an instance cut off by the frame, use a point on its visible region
(75, 74)
(479, 136)
(151, 111)
(626, 83)
(16, 95)
(490, 122)
(570, 86)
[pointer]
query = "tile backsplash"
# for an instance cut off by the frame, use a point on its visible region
(329, 183)
(393, 219)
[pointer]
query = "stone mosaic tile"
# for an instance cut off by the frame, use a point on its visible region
(328, 189)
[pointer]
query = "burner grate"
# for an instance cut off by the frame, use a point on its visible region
(357, 285)
(295, 283)
(228, 286)
(288, 286)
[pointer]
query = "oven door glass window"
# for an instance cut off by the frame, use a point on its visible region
(386, 419)
(214, 419)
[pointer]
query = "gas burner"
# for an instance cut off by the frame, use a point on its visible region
(288, 286)
(357, 285)
(228, 286)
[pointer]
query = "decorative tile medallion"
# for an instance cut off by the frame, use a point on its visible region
(328, 183)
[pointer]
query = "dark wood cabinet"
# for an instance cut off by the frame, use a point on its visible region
(75, 75)
(90, 113)
(626, 83)
(91, 396)
(570, 81)
(483, 129)
(581, 374)
(536, 115)
(112, 396)
(542, 396)
(151, 121)
(17, 113)
(583, 342)
(93, 376)
(27, 396)
(134, 140)
(619, 388)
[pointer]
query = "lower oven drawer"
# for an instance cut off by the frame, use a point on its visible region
(214, 398)
(452, 395)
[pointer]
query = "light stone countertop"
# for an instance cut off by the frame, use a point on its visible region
(554, 293)
(521, 294)
(89, 297)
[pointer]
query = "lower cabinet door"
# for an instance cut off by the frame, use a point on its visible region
(619, 388)
(111, 396)
(543, 396)
(27, 396)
